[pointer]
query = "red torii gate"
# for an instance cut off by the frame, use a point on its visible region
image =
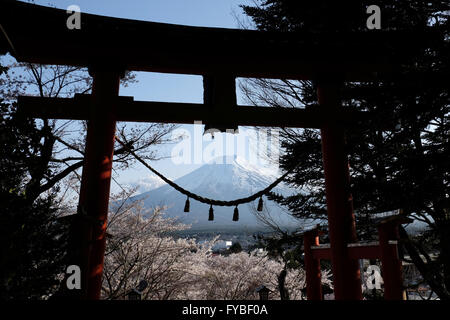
(385, 249)
(109, 46)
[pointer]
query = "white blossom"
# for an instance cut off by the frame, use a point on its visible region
(141, 246)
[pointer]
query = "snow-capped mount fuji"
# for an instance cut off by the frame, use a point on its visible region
(225, 178)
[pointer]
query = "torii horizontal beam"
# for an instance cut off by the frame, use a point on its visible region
(39, 34)
(127, 109)
(108, 46)
(355, 250)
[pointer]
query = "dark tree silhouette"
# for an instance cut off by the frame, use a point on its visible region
(33, 250)
(403, 168)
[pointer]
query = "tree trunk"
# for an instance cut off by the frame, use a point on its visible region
(424, 270)
(284, 294)
(444, 244)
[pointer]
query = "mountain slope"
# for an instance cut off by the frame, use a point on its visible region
(223, 179)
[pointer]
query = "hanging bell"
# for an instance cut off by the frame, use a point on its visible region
(236, 214)
(211, 213)
(260, 205)
(187, 205)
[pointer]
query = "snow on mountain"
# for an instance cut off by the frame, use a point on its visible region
(148, 183)
(223, 179)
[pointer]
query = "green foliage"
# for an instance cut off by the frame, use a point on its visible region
(285, 247)
(406, 167)
(235, 248)
(32, 251)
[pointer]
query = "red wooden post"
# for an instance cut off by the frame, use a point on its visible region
(312, 266)
(341, 219)
(96, 178)
(391, 265)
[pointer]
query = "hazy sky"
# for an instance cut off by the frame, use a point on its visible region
(165, 87)
(207, 13)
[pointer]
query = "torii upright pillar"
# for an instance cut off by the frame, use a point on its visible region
(312, 266)
(341, 219)
(96, 178)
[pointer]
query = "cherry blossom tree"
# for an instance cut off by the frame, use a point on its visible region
(143, 246)
(140, 248)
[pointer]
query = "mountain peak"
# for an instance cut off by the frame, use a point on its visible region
(224, 178)
(252, 165)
